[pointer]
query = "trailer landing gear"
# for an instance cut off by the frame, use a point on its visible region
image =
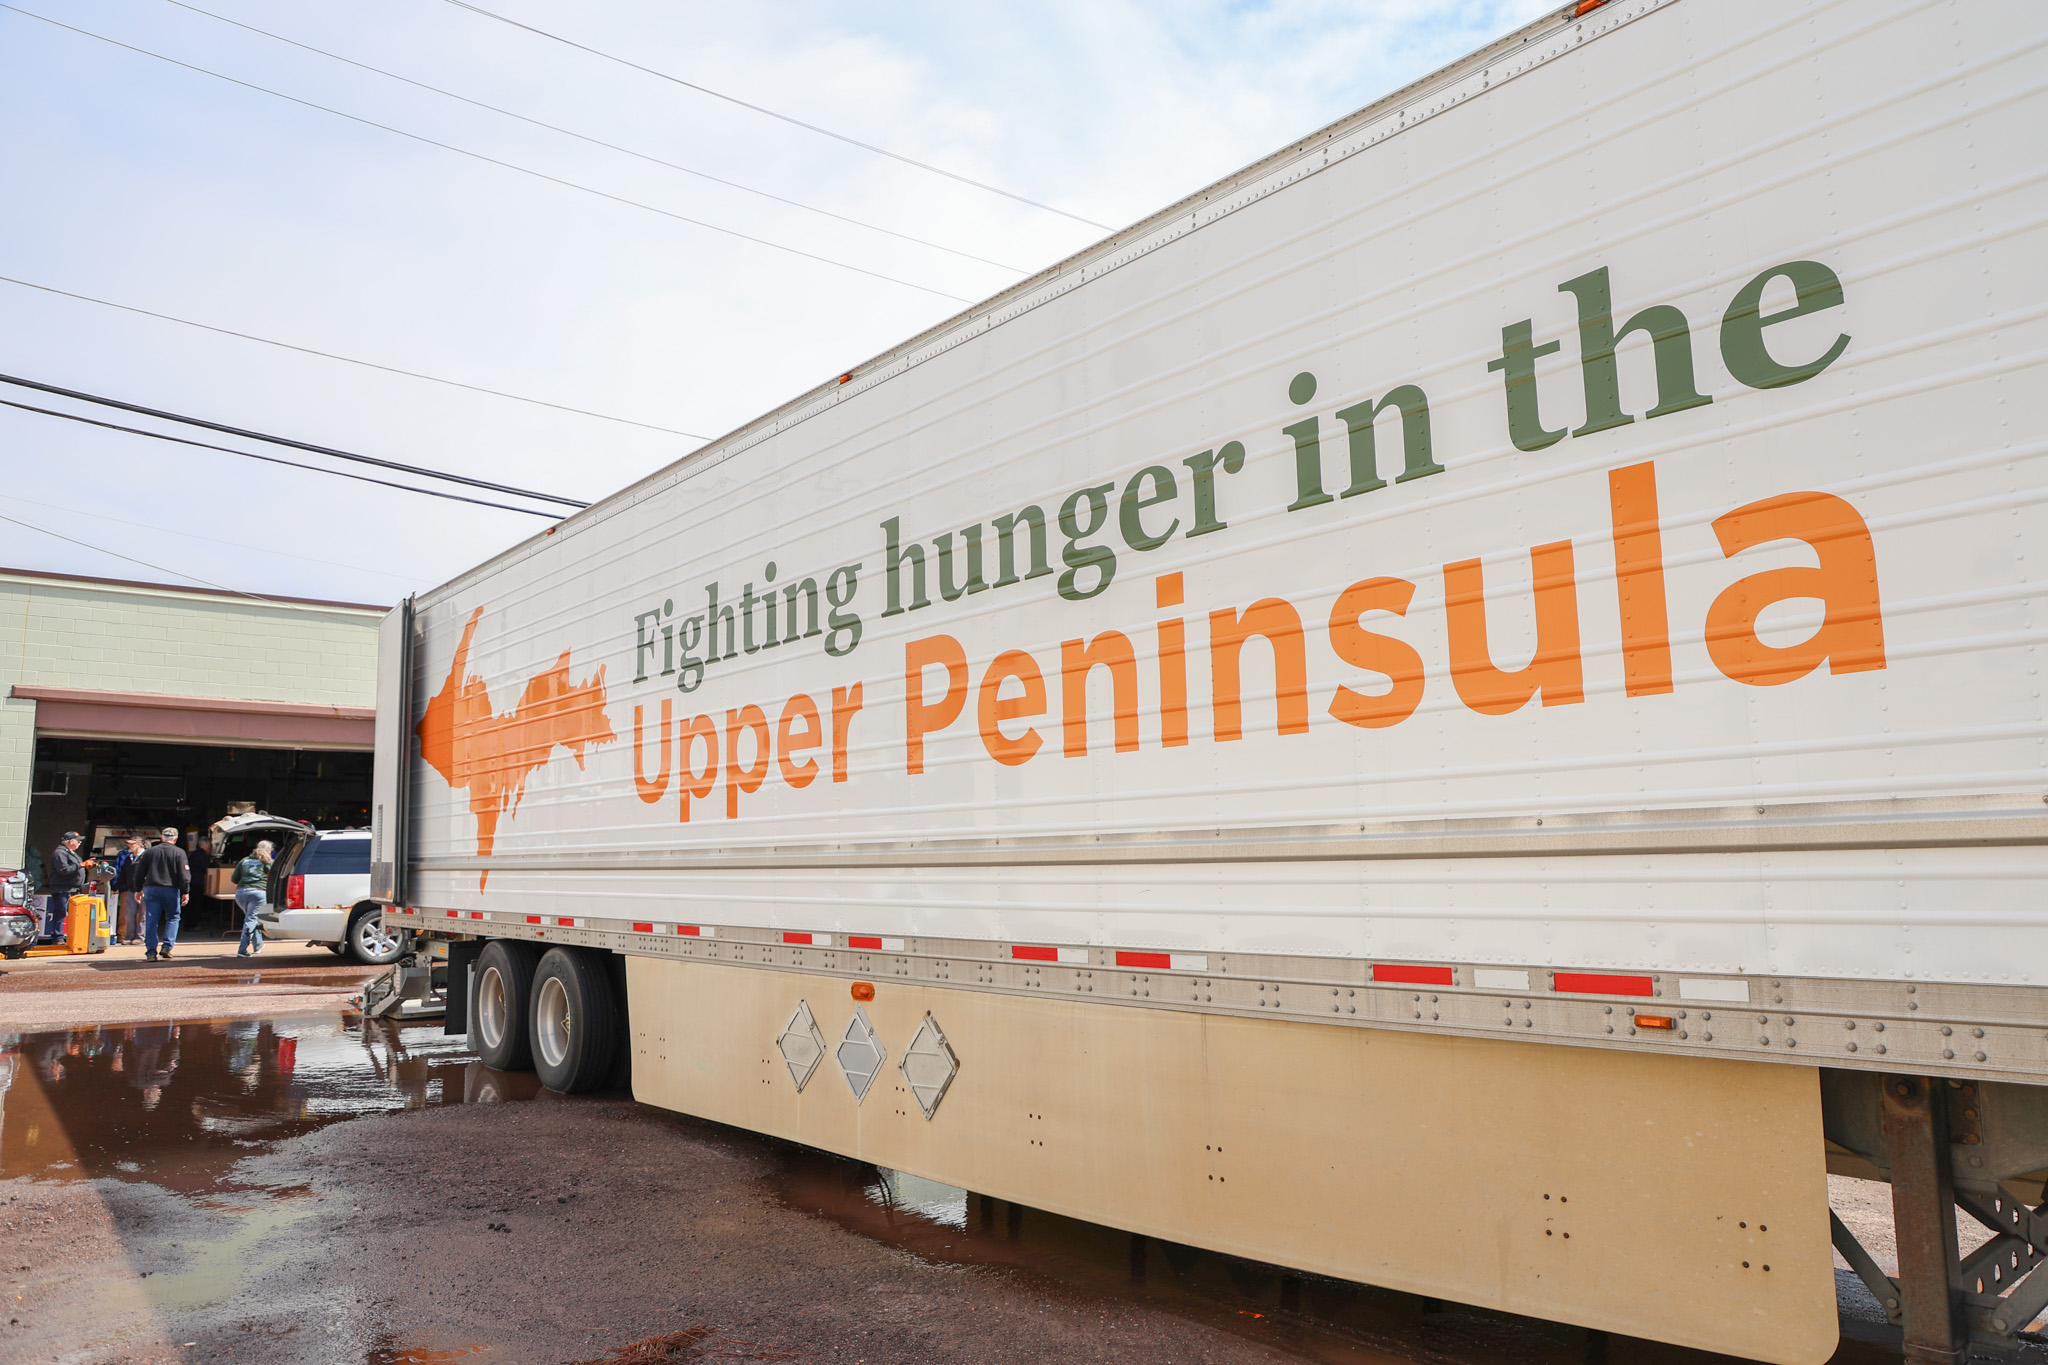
(1945, 1145)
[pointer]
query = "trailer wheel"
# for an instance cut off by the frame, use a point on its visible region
(575, 1021)
(503, 1003)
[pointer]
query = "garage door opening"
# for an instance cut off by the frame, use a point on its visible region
(107, 788)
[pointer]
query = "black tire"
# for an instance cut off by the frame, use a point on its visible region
(369, 942)
(501, 1004)
(575, 1021)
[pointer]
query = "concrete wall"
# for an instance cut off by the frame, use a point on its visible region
(68, 632)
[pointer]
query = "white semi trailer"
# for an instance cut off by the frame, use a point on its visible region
(1460, 709)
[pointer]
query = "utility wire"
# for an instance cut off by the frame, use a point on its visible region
(131, 559)
(267, 459)
(593, 141)
(490, 160)
(416, 470)
(346, 360)
(761, 109)
(103, 518)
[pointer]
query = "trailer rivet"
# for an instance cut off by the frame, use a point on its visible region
(1706, 1037)
(1852, 1047)
(1946, 1030)
(1980, 1056)
(1976, 1033)
(1948, 1054)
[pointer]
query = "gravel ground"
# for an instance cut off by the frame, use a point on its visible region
(203, 980)
(637, 1224)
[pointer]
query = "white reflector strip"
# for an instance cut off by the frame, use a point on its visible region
(1499, 979)
(1733, 991)
(1190, 962)
(1079, 955)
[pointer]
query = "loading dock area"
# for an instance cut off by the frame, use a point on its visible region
(134, 706)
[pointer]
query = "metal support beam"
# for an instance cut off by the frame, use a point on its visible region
(1882, 1287)
(1924, 1214)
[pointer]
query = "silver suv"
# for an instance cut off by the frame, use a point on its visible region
(319, 891)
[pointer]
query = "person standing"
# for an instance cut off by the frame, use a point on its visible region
(67, 879)
(128, 887)
(200, 858)
(252, 874)
(166, 886)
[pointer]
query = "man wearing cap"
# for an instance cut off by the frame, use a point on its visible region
(166, 886)
(67, 879)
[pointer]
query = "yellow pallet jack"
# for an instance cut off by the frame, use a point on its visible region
(85, 929)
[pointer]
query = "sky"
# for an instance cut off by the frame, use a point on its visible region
(138, 182)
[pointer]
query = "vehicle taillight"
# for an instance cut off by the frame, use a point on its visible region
(294, 893)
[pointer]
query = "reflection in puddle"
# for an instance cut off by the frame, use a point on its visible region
(176, 1104)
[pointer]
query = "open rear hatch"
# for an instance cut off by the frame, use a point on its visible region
(235, 836)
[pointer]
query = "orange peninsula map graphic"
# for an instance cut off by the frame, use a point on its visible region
(490, 755)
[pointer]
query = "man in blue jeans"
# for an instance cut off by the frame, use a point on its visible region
(166, 886)
(67, 879)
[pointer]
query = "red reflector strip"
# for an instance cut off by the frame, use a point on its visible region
(1588, 983)
(643, 928)
(801, 939)
(1413, 976)
(476, 914)
(862, 941)
(1031, 953)
(1161, 961)
(689, 930)
(454, 914)
(565, 923)
(535, 919)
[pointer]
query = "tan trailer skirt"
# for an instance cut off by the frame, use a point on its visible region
(1678, 1199)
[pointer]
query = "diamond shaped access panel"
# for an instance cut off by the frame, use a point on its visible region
(801, 1045)
(928, 1066)
(860, 1054)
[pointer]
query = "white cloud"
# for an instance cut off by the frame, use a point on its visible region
(136, 181)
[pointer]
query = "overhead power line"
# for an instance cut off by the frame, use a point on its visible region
(131, 559)
(762, 109)
(269, 459)
(490, 160)
(100, 517)
(593, 141)
(418, 471)
(344, 359)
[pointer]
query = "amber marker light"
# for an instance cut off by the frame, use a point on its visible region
(1655, 1021)
(863, 990)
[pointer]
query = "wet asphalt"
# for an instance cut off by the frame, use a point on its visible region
(317, 1188)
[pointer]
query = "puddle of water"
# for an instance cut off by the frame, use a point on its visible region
(423, 1355)
(176, 1104)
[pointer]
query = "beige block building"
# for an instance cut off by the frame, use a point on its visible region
(138, 705)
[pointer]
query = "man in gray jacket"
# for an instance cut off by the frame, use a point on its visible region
(166, 886)
(67, 879)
